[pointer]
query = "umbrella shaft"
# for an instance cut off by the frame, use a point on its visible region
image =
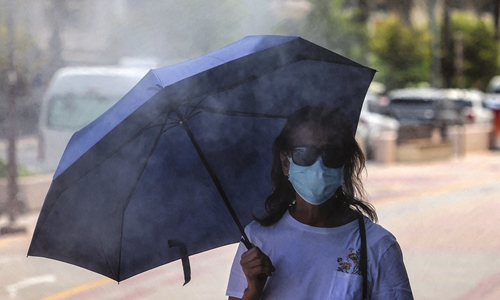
(216, 181)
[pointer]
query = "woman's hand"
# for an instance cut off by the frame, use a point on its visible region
(257, 267)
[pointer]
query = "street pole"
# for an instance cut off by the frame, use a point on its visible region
(459, 61)
(435, 46)
(447, 62)
(13, 207)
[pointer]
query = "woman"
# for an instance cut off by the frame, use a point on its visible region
(308, 244)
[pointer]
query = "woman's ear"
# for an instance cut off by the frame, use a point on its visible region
(285, 164)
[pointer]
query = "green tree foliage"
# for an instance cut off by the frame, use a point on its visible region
(402, 8)
(25, 63)
(22, 170)
(401, 53)
(27, 57)
(480, 51)
(28, 65)
(335, 27)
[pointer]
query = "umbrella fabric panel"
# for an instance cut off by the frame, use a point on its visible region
(80, 223)
(165, 206)
(244, 47)
(96, 130)
(201, 220)
(149, 115)
(278, 91)
(239, 150)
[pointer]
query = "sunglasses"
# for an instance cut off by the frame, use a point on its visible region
(332, 157)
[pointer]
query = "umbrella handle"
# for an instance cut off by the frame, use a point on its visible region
(261, 276)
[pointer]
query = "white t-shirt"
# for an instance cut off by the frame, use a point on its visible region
(322, 263)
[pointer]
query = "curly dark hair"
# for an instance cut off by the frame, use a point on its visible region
(351, 193)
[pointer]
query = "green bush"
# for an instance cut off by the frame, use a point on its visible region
(21, 169)
(401, 54)
(333, 25)
(480, 51)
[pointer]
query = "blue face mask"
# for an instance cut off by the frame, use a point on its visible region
(315, 183)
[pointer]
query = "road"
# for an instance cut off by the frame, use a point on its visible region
(444, 215)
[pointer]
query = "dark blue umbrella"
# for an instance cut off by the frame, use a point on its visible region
(182, 161)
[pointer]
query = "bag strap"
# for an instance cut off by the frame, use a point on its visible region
(363, 263)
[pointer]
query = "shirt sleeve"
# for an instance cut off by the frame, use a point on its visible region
(237, 281)
(391, 280)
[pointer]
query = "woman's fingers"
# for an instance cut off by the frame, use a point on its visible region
(258, 266)
(255, 262)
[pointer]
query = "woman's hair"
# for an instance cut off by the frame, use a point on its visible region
(350, 194)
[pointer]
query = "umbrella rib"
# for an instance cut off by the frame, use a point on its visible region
(215, 179)
(191, 113)
(237, 113)
(128, 141)
(168, 128)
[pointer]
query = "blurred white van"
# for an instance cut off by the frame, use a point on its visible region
(75, 97)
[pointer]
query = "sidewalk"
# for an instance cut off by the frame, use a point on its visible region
(386, 183)
(443, 214)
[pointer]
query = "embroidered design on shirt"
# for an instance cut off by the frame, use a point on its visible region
(351, 260)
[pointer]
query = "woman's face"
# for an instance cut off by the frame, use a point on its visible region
(309, 134)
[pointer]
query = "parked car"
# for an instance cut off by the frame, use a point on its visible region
(75, 97)
(472, 105)
(422, 105)
(372, 124)
(421, 110)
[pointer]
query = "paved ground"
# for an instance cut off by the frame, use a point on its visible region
(443, 213)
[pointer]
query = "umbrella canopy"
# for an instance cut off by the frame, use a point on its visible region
(182, 161)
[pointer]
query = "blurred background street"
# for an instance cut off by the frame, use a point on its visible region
(429, 126)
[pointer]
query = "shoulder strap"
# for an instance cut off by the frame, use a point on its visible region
(363, 263)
